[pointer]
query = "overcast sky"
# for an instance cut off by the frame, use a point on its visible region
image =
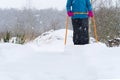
(39, 4)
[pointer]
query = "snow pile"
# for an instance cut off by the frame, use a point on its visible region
(52, 37)
(52, 41)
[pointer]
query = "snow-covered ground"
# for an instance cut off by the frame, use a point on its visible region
(47, 58)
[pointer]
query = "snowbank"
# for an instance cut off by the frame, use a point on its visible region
(46, 58)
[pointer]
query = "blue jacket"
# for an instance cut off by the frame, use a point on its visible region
(79, 6)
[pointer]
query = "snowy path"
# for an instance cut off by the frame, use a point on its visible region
(90, 62)
(45, 66)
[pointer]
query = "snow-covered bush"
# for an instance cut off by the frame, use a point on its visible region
(20, 39)
(114, 42)
(7, 37)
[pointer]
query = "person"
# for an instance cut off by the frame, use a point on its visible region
(80, 22)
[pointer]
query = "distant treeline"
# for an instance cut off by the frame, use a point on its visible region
(30, 22)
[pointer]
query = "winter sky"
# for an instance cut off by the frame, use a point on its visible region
(38, 4)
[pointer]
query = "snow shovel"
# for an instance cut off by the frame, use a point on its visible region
(66, 32)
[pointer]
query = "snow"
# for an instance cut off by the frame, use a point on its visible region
(55, 39)
(47, 58)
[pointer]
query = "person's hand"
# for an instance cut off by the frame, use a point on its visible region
(70, 13)
(90, 14)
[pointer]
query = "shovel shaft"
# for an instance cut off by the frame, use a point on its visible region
(66, 33)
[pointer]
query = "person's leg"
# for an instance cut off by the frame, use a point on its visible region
(85, 32)
(80, 31)
(76, 33)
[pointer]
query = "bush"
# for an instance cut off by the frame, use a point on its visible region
(7, 37)
(20, 39)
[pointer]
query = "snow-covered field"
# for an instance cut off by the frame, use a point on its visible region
(47, 58)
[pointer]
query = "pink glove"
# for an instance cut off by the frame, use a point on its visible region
(70, 14)
(90, 14)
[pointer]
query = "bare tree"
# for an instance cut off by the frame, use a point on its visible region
(108, 20)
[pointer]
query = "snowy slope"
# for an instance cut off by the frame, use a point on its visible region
(43, 59)
(51, 41)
